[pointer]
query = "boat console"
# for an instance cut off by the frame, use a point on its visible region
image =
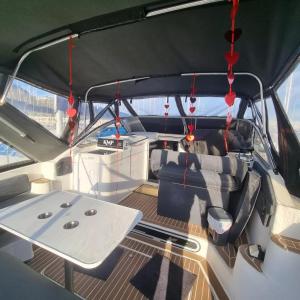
(108, 169)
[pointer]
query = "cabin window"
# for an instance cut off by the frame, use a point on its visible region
(97, 107)
(289, 95)
(248, 113)
(259, 147)
(154, 106)
(211, 106)
(84, 116)
(9, 156)
(272, 122)
(46, 108)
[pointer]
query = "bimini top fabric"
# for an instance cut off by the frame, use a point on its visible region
(117, 41)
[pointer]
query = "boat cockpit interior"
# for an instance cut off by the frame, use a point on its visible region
(150, 149)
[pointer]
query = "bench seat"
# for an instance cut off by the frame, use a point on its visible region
(18, 281)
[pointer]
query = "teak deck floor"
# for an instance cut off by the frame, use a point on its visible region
(135, 255)
(143, 200)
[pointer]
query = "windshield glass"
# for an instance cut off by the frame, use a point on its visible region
(154, 106)
(210, 106)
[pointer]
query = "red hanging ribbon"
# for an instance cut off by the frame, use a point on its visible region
(232, 58)
(166, 106)
(71, 112)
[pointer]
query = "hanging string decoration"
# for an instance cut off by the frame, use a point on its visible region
(190, 137)
(71, 111)
(191, 127)
(231, 58)
(166, 107)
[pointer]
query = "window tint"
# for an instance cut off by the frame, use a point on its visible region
(46, 108)
(153, 106)
(210, 106)
(272, 122)
(10, 156)
(289, 95)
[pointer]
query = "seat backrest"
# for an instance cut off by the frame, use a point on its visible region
(243, 203)
(224, 165)
(14, 186)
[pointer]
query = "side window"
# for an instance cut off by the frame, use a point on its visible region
(259, 147)
(272, 122)
(289, 95)
(10, 156)
(84, 116)
(46, 108)
(248, 113)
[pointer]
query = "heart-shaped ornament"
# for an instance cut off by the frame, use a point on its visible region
(193, 99)
(237, 34)
(192, 109)
(229, 98)
(71, 99)
(191, 128)
(167, 106)
(71, 112)
(190, 137)
(230, 78)
(166, 114)
(233, 58)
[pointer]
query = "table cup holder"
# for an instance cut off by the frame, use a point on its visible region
(71, 225)
(66, 205)
(45, 215)
(90, 212)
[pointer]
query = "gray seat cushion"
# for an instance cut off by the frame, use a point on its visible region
(14, 186)
(222, 165)
(16, 199)
(200, 178)
(18, 281)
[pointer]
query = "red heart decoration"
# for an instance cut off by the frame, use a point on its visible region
(71, 99)
(166, 114)
(117, 135)
(233, 58)
(230, 77)
(193, 99)
(189, 137)
(229, 98)
(191, 127)
(192, 109)
(167, 106)
(71, 112)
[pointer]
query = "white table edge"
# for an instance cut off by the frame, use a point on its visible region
(62, 255)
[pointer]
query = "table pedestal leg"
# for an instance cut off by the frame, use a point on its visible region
(69, 276)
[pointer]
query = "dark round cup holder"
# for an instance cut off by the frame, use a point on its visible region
(66, 205)
(45, 215)
(71, 225)
(90, 212)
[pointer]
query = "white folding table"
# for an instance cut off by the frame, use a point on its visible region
(82, 230)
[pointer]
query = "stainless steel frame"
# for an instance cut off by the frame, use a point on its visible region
(24, 56)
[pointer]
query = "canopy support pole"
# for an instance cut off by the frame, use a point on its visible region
(24, 56)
